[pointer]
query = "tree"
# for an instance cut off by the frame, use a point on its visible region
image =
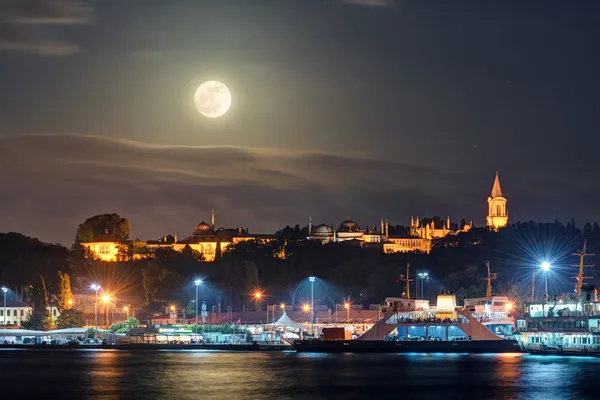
(65, 296)
(39, 296)
(70, 318)
(38, 321)
(99, 226)
(293, 290)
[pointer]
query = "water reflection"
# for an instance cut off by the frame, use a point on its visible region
(215, 375)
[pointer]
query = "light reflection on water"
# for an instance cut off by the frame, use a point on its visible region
(215, 375)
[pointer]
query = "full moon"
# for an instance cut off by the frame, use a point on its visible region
(212, 99)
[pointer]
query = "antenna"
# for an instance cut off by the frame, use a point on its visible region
(581, 266)
(489, 279)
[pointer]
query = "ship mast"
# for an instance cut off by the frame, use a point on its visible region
(581, 266)
(407, 280)
(489, 279)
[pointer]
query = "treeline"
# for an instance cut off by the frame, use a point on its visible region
(344, 271)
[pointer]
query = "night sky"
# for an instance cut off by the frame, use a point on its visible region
(367, 108)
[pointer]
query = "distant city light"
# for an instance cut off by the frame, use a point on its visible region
(258, 295)
(95, 287)
(306, 308)
(346, 305)
(508, 306)
(172, 308)
(282, 306)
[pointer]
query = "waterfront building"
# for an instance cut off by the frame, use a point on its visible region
(497, 213)
(17, 312)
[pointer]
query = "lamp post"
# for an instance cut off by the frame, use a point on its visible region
(312, 304)
(96, 287)
(347, 307)
(4, 291)
(197, 282)
(106, 299)
(126, 308)
(545, 266)
(305, 308)
(422, 276)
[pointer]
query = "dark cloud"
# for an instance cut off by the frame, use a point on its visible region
(371, 3)
(57, 181)
(21, 21)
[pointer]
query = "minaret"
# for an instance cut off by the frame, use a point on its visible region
(448, 223)
(497, 212)
(309, 225)
(387, 229)
(212, 219)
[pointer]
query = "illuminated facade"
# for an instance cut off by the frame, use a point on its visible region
(428, 229)
(107, 248)
(497, 212)
(208, 241)
(348, 230)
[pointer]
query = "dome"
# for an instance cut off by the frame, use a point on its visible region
(203, 229)
(349, 226)
(321, 230)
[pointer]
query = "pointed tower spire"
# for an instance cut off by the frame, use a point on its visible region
(448, 223)
(382, 230)
(309, 225)
(496, 190)
(387, 229)
(212, 218)
(412, 221)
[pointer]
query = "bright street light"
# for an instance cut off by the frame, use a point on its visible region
(197, 282)
(508, 306)
(106, 298)
(422, 276)
(312, 304)
(96, 287)
(282, 306)
(545, 266)
(306, 308)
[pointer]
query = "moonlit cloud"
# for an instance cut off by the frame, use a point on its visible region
(22, 21)
(59, 180)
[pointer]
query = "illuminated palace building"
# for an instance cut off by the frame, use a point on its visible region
(208, 240)
(418, 237)
(420, 234)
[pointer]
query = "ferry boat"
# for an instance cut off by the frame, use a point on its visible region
(567, 324)
(412, 326)
(494, 313)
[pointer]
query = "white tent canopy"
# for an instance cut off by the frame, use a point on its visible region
(287, 322)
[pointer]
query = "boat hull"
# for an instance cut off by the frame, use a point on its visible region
(376, 346)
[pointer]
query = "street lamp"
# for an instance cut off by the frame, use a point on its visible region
(126, 309)
(96, 287)
(545, 266)
(197, 282)
(106, 300)
(306, 309)
(312, 304)
(347, 307)
(422, 276)
(4, 291)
